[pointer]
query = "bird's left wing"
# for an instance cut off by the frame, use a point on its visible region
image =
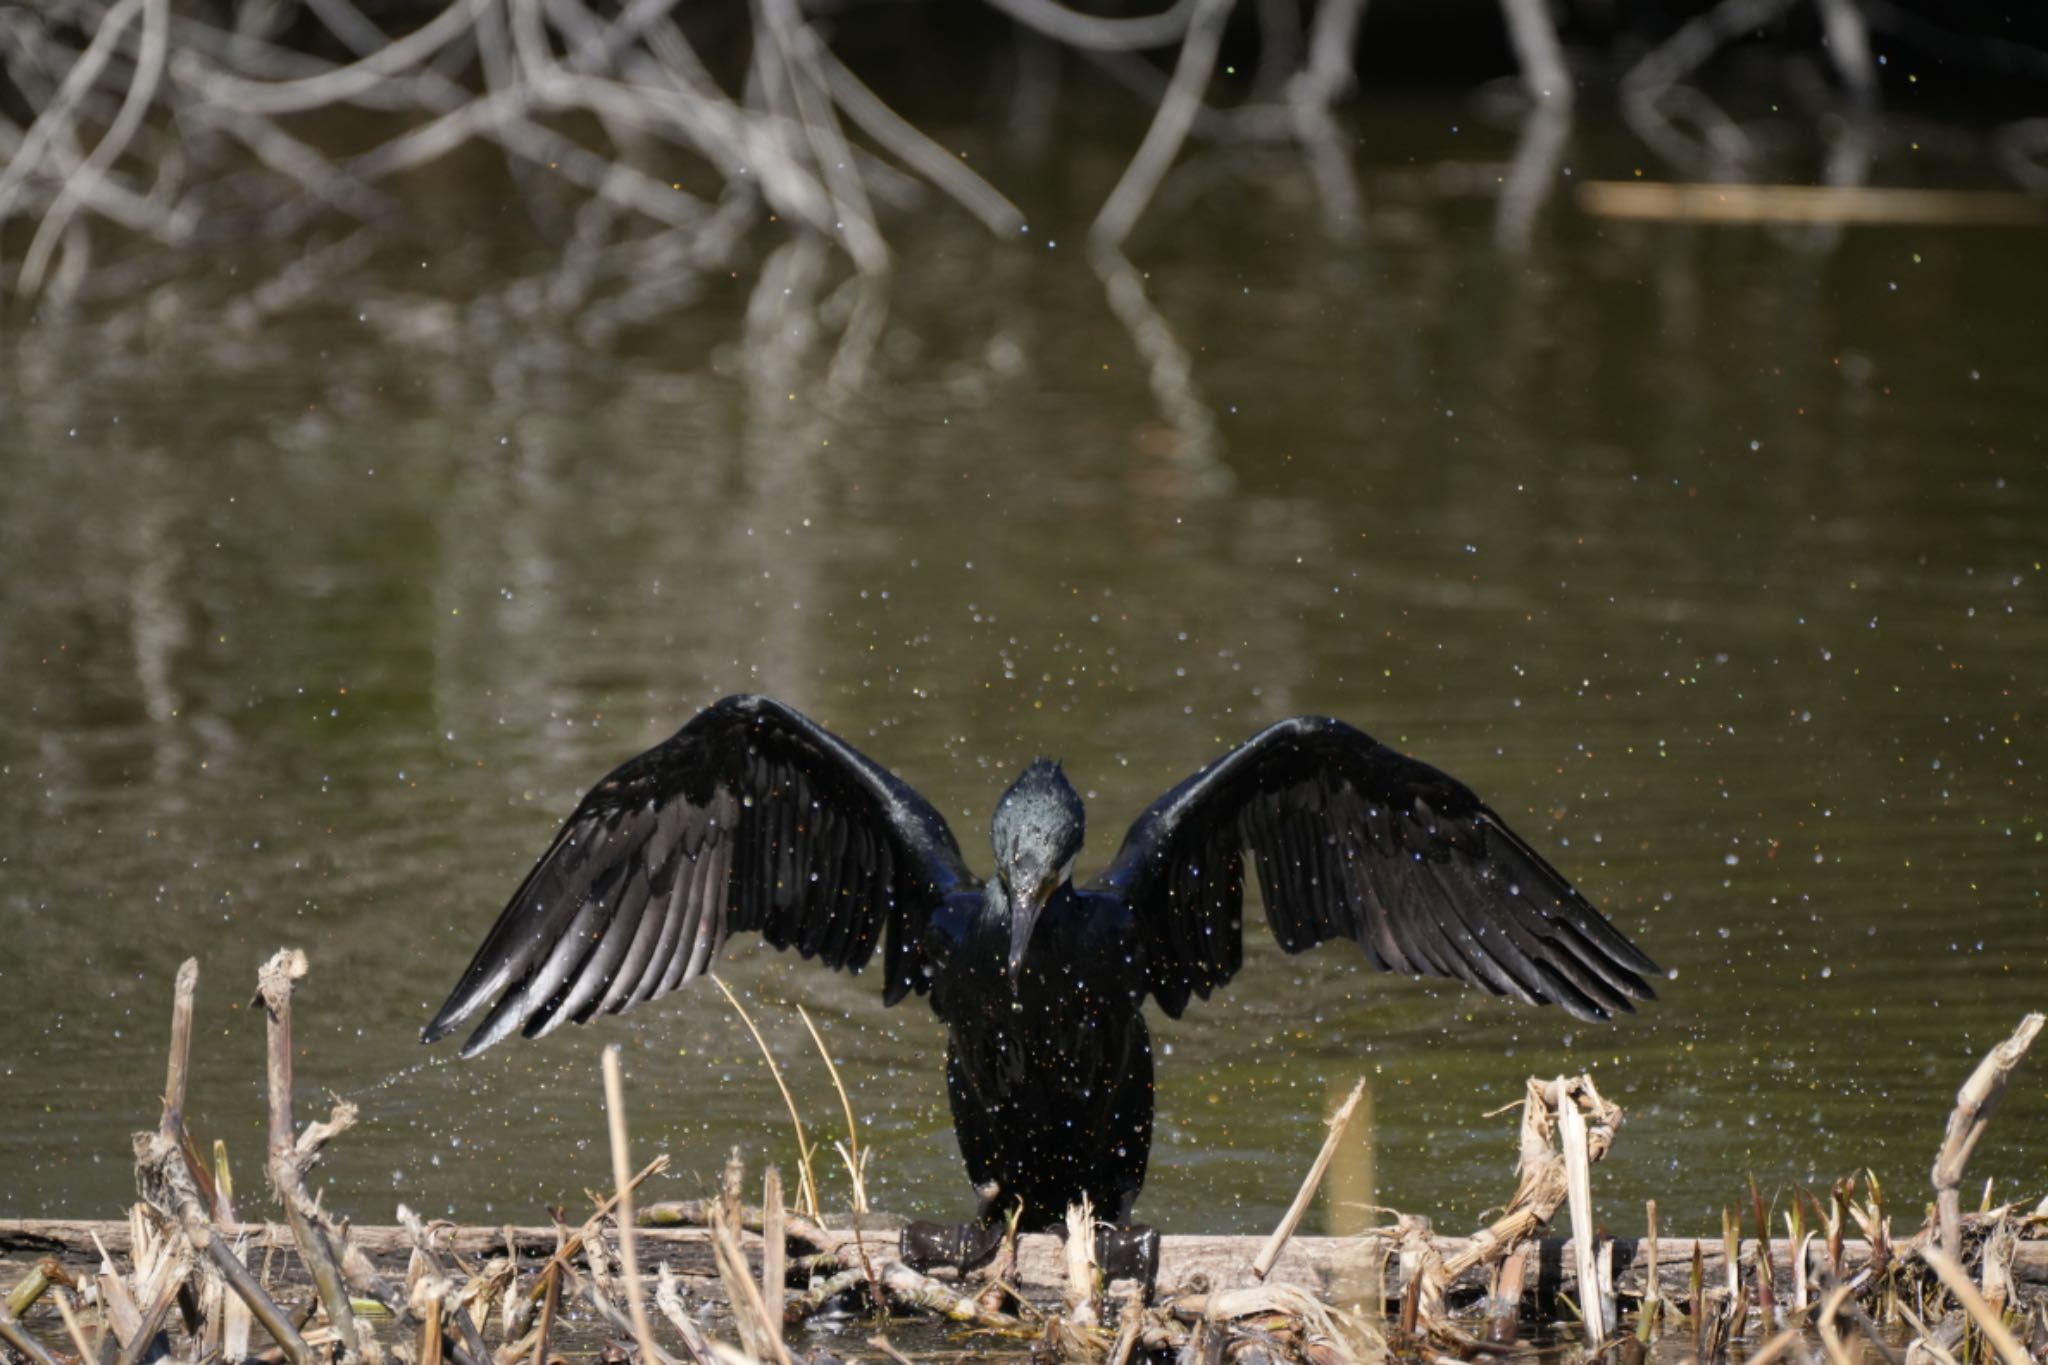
(751, 817)
(1355, 840)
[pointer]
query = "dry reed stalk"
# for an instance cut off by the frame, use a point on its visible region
(1578, 1166)
(1958, 1281)
(1262, 1264)
(72, 1327)
(575, 1241)
(622, 1170)
(1925, 1342)
(1790, 1342)
(881, 1343)
(1996, 1264)
(1830, 1335)
(12, 1332)
(774, 1249)
(1504, 1308)
(551, 1298)
(807, 1186)
(1083, 1295)
(186, 988)
(904, 1286)
(1130, 1323)
(274, 990)
(1698, 1302)
(614, 1317)
(1542, 1185)
(822, 1291)
(118, 1312)
(743, 1296)
(477, 1292)
(1976, 1102)
(160, 1170)
(669, 1299)
(163, 1282)
(430, 1324)
(855, 1166)
(1653, 1292)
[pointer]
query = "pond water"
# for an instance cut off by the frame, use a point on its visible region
(1711, 556)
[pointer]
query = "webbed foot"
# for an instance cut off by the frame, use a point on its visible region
(1130, 1252)
(960, 1245)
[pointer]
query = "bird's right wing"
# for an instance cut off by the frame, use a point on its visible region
(1355, 840)
(751, 817)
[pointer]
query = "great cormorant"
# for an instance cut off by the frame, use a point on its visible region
(754, 818)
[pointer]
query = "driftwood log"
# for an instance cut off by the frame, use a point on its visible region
(1340, 1269)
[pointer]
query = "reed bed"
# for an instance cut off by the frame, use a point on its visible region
(187, 1279)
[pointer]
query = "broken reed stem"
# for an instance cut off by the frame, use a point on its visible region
(41, 1277)
(622, 1169)
(1831, 1335)
(743, 1296)
(551, 1298)
(153, 1318)
(1130, 1323)
(1653, 1299)
(1976, 1102)
(774, 1254)
(430, 1326)
(807, 1187)
(1958, 1281)
(568, 1250)
(669, 1299)
(1787, 1342)
(1083, 1294)
(1926, 1337)
(881, 1343)
(1262, 1265)
(423, 1248)
(159, 1159)
(274, 988)
(181, 1046)
(904, 1287)
(1578, 1168)
(12, 1333)
(71, 1324)
(853, 1162)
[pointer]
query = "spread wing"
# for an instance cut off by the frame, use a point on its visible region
(1354, 840)
(751, 817)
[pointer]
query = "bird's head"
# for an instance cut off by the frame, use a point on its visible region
(1037, 831)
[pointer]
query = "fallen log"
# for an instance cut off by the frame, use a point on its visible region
(1341, 1269)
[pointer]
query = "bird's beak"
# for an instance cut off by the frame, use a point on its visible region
(1023, 919)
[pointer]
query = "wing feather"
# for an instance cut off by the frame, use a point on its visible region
(750, 818)
(1354, 840)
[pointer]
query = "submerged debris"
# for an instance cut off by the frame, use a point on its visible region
(729, 1282)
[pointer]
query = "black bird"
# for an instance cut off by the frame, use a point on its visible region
(754, 818)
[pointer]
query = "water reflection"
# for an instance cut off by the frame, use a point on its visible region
(1713, 563)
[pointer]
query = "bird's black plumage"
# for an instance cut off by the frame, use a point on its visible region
(753, 817)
